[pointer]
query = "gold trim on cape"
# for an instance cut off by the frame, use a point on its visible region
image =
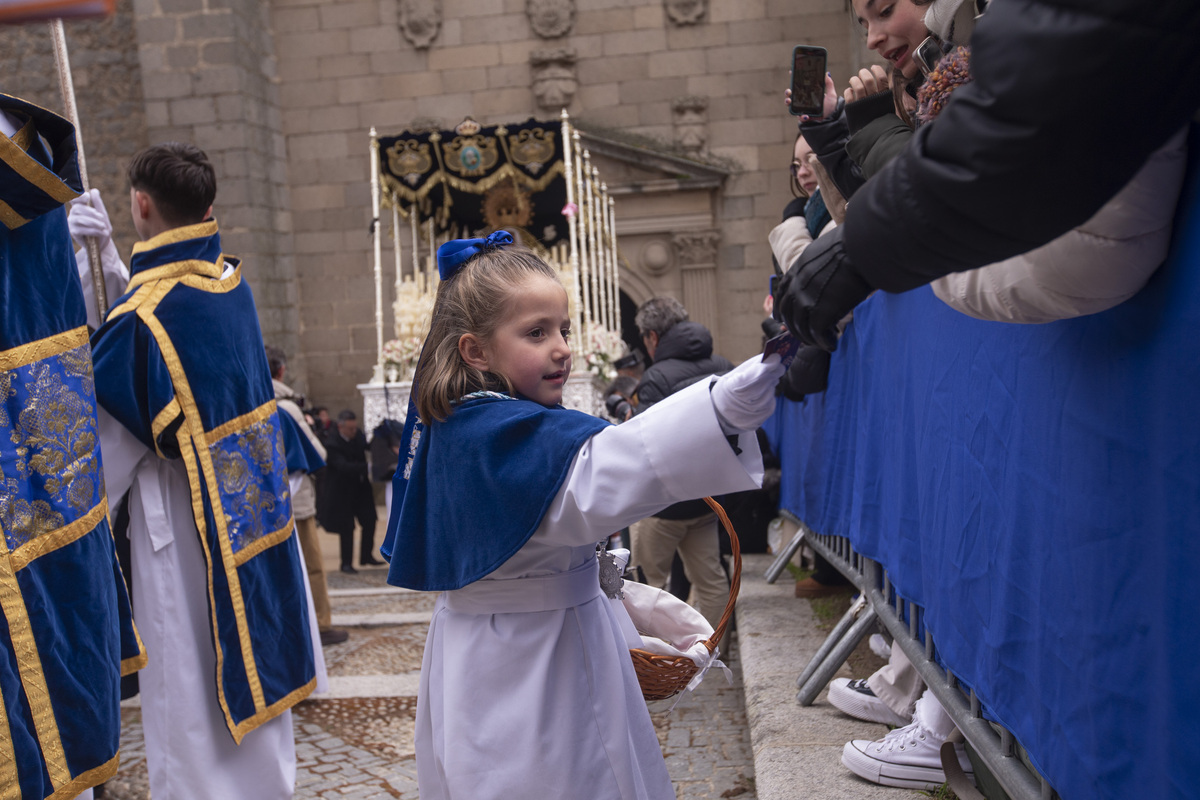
(238, 423)
(28, 168)
(177, 269)
(86, 780)
(22, 355)
(26, 554)
(10, 218)
(176, 235)
(29, 668)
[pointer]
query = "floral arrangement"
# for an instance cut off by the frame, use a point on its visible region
(603, 348)
(400, 358)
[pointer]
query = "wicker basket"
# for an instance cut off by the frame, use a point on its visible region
(665, 676)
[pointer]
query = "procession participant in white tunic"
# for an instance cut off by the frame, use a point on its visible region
(192, 431)
(527, 687)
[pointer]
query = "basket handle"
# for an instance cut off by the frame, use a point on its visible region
(735, 578)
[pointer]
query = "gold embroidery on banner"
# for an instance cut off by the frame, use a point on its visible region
(177, 235)
(28, 168)
(43, 348)
(9, 218)
(27, 553)
(176, 269)
(29, 667)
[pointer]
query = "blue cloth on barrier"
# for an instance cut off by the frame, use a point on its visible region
(1036, 488)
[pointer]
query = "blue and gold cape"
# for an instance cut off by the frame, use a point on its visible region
(66, 634)
(180, 363)
(476, 486)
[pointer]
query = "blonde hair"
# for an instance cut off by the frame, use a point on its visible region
(473, 301)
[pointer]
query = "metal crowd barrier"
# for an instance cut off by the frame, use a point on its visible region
(878, 604)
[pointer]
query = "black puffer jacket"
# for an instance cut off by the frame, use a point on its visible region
(1029, 149)
(684, 355)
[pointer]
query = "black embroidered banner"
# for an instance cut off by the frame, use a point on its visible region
(483, 178)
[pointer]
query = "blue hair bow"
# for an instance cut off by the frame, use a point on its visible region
(456, 252)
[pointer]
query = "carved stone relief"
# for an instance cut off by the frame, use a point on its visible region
(690, 116)
(420, 21)
(550, 18)
(554, 80)
(697, 250)
(686, 12)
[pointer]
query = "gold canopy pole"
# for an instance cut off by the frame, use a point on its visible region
(66, 85)
(568, 163)
(377, 376)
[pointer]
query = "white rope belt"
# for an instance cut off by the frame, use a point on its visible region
(540, 593)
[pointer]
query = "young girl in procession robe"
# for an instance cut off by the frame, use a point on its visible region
(527, 687)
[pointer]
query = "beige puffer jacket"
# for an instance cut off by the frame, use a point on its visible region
(1090, 269)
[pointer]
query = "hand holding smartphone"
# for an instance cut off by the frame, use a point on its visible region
(808, 80)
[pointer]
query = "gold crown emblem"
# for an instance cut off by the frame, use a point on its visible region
(468, 127)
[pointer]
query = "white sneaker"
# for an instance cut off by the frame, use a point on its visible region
(854, 697)
(908, 757)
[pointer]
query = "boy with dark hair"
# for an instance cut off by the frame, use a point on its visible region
(192, 432)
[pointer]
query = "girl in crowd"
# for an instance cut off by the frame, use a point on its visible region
(527, 688)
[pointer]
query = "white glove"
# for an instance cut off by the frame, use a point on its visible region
(745, 396)
(85, 220)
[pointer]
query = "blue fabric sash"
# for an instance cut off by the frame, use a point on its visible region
(180, 363)
(479, 485)
(66, 633)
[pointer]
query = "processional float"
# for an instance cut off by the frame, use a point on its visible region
(532, 178)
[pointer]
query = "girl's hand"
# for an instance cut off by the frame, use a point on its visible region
(866, 83)
(769, 304)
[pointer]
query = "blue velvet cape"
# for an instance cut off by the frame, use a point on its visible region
(478, 486)
(66, 634)
(180, 363)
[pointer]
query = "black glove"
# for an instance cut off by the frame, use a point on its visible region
(771, 327)
(808, 374)
(795, 208)
(819, 289)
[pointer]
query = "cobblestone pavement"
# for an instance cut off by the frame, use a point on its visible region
(356, 742)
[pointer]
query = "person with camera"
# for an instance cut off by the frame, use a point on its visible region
(682, 354)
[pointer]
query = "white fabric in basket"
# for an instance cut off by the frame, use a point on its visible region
(668, 626)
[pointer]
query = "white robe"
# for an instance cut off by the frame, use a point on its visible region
(545, 703)
(189, 750)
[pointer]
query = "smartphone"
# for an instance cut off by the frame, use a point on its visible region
(808, 80)
(928, 53)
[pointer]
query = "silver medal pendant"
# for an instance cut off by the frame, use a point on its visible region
(610, 576)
